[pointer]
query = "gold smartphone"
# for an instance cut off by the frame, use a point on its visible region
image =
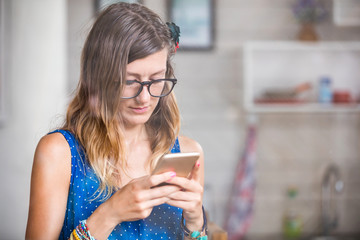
(181, 163)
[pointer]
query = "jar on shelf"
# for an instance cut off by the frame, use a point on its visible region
(325, 91)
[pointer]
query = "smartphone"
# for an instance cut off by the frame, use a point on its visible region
(181, 163)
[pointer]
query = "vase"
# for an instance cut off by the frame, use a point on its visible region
(307, 32)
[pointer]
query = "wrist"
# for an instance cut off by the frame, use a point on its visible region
(195, 225)
(102, 222)
(200, 233)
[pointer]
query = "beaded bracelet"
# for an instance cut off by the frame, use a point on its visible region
(81, 232)
(195, 234)
(74, 235)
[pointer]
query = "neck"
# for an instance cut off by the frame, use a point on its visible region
(137, 147)
(135, 134)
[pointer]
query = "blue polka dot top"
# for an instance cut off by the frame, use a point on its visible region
(163, 222)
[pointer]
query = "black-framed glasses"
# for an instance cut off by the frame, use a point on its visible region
(156, 88)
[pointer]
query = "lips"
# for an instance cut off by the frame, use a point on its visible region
(139, 109)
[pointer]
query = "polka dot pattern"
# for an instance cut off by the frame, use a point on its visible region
(163, 222)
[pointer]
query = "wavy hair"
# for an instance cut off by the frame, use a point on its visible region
(121, 34)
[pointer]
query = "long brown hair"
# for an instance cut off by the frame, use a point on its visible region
(121, 34)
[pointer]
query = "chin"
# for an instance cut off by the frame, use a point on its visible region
(137, 120)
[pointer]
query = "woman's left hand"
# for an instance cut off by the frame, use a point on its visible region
(189, 198)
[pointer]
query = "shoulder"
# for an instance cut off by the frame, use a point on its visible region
(53, 145)
(53, 151)
(189, 145)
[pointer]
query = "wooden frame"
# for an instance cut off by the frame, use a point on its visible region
(196, 22)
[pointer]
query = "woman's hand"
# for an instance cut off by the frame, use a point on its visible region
(132, 202)
(140, 195)
(189, 198)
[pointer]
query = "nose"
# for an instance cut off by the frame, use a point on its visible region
(144, 95)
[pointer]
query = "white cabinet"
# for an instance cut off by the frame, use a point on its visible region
(282, 66)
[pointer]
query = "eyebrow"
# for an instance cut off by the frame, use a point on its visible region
(138, 75)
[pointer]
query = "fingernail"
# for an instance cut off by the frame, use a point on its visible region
(198, 164)
(172, 174)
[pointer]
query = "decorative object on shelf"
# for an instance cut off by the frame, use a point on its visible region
(286, 95)
(308, 33)
(325, 91)
(308, 13)
(342, 96)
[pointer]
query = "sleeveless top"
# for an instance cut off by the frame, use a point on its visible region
(163, 222)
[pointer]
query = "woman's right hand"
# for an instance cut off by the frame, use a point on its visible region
(132, 202)
(136, 199)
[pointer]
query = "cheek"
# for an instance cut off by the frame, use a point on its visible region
(122, 105)
(155, 102)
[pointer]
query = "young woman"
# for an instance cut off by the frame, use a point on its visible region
(91, 178)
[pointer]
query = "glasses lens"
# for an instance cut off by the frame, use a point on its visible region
(131, 89)
(160, 88)
(156, 88)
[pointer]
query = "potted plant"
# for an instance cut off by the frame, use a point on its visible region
(308, 13)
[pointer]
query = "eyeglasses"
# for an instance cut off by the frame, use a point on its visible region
(156, 88)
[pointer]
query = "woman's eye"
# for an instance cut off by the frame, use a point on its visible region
(130, 82)
(156, 82)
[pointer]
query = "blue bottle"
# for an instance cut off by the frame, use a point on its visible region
(325, 92)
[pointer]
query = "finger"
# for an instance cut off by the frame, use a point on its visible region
(186, 184)
(184, 196)
(179, 204)
(149, 195)
(185, 205)
(189, 207)
(155, 202)
(195, 173)
(163, 191)
(155, 180)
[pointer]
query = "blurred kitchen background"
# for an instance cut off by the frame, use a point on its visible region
(272, 95)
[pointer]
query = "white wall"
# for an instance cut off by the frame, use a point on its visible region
(80, 18)
(35, 94)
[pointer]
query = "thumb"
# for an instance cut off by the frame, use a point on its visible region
(195, 173)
